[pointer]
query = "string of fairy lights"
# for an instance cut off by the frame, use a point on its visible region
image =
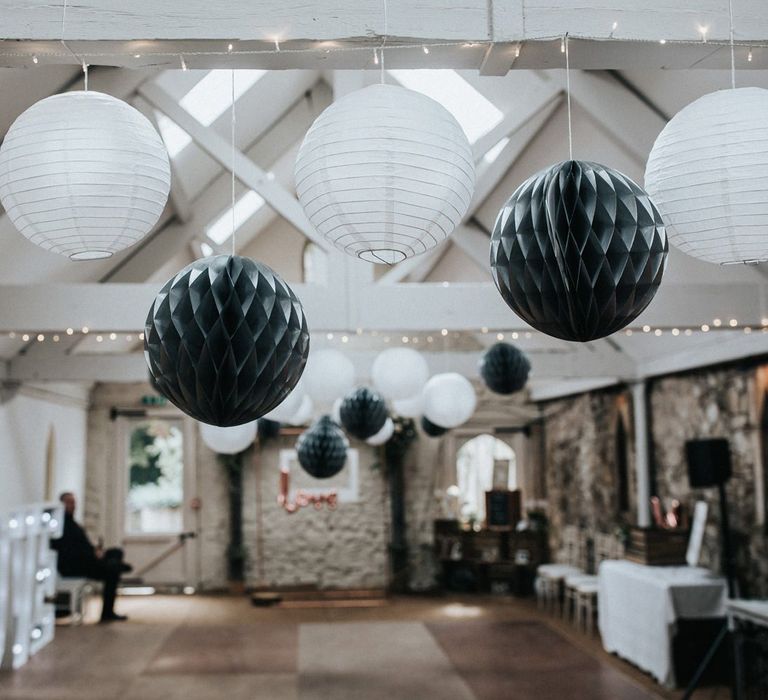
(426, 337)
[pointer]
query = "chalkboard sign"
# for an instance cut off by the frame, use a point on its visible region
(502, 509)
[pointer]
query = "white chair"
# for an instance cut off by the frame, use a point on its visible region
(75, 590)
(550, 577)
(581, 590)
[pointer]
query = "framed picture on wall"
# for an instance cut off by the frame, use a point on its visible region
(500, 475)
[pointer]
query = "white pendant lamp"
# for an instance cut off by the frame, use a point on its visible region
(385, 173)
(399, 373)
(411, 407)
(83, 174)
(708, 175)
(230, 440)
(386, 432)
(291, 405)
(329, 374)
(449, 400)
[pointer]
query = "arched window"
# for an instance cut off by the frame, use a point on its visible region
(475, 463)
(315, 264)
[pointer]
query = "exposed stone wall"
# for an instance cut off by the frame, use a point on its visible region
(580, 448)
(581, 462)
(719, 403)
(345, 548)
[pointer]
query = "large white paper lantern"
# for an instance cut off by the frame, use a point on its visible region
(385, 173)
(449, 400)
(399, 373)
(230, 440)
(329, 374)
(708, 175)
(383, 435)
(83, 174)
(411, 407)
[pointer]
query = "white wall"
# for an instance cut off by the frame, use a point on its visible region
(25, 422)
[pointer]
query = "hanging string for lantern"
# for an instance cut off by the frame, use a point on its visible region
(568, 95)
(733, 51)
(232, 135)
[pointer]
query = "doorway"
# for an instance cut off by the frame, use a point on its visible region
(156, 480)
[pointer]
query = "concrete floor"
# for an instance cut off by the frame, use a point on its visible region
(206, 647)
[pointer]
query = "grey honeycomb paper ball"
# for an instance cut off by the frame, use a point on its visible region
(226, 340)
(322, 449)
(363, 413)
(504, 368)
(578, 251)
(431, 429)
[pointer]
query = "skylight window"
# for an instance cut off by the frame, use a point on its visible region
(175, 138)
(220, 230)
(212, 95)
(206, 102)
(476, 113)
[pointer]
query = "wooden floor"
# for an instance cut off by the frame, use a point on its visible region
(206, 647)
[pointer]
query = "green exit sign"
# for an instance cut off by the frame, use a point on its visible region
(153, 400)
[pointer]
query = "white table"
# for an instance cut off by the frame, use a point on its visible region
(638, 608)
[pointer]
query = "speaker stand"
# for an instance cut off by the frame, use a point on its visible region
(729, 570)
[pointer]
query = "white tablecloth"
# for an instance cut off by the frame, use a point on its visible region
(638, 607)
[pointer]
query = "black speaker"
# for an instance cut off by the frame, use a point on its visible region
(709, 462)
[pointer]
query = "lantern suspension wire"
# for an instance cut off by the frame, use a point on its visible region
(568, 95)
(66, 46)
(733, 55)
(232, 126)
(384, 40)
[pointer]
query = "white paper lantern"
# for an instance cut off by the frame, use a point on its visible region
(83, 174)
(708, 175)
(304, 413)
(399, 373)
(449, 400)
(329, 374)
(412, 407)
(290, 405)
(385, 173)
(383, 435)
(336, 410)
(228, 441)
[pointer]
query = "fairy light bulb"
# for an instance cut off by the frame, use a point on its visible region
(425, 49)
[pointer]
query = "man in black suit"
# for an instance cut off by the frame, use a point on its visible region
(79, 558)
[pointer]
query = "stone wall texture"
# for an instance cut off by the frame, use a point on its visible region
(581, 464)
(725, 403)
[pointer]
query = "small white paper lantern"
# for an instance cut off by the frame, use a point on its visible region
(411, 407)
(336, 410)
(385, 173)
(228, 441)
(708, 176)
(383, 435)
(329, 374)
(449, 400)
(399, 373)
(304, 413)
(83, 174)
(290, 406)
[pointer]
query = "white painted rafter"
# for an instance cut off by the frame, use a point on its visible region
(246, 170)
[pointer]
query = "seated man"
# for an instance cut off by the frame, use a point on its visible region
(79, 558)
